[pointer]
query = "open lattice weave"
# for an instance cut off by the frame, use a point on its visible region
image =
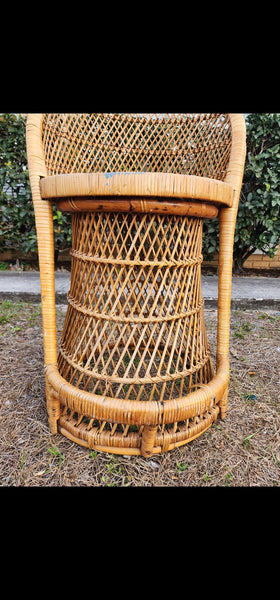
(193, 144)
(134, 327)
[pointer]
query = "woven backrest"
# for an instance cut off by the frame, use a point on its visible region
(191, 144)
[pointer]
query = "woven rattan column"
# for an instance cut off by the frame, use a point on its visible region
(134, 327)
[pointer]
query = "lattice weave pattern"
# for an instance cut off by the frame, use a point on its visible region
(134, 326)
(193, 144)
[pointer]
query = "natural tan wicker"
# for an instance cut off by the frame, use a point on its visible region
(133, 373)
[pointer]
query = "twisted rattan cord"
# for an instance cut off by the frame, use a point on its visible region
(134, 319)
(88, 258)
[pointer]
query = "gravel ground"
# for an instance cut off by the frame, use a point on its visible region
(242, 451)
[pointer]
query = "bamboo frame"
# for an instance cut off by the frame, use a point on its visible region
(192, 197)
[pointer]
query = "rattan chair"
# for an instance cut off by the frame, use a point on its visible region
(133, 372)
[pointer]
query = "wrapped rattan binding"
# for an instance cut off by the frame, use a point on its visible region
(134, 373)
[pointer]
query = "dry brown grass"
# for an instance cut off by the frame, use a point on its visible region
(243, 450)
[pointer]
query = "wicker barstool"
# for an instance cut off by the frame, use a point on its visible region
(133, 373)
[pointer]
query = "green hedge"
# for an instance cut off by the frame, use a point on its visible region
(17, 225)
(258, 220)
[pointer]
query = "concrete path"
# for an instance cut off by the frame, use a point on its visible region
(247, 292)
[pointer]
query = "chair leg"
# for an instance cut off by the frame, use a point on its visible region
(148, 439)
(53, 407)
(223, 404)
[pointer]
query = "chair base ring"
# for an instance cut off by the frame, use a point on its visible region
(130, 442)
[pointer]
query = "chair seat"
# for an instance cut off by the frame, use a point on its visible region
(145, 185)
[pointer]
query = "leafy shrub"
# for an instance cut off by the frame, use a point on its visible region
(258, 219)
(17, 224)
